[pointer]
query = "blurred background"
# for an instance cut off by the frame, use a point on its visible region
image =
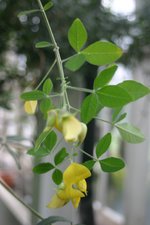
(121, 198)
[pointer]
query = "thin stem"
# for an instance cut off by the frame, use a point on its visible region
(64, 60)
(92, 157)
(46, 75)
(80, 89)
(105, 121)
(20, 200)
(57, 53)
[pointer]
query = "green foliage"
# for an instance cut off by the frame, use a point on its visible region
(45, 105)
(135, 89)
(43, 44)
(47, 138)
(62, 114)
(47, 86)
(32, 95)
(89, 164)
(104, 76)
(90, 107)
(43, 168)
(113, 96)
(48, 5)
(77, 35)
(121, 117)
(112, 164)
(75, 62)
(60, 156)
(130, 133)
(57, 176)
(103, 145)
(102, 53)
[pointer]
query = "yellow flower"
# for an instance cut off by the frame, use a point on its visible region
(73, 130)
(73, 188)
(30, 107)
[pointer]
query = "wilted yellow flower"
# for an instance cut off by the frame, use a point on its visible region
(30, 107)
(73, 188)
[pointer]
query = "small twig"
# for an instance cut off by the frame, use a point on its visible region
(46, 75)
(20, 200)
(80, 89)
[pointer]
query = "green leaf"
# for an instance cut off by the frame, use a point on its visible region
(47, 86)
(57, 176)
(43, 44)
(90, 107)
(27, 12)
(48, 138)
(77, 35)
(103, 145)
(121, 117)
(60, 156)
(105, 76)
(43, 168)
(130, 133)
(53, 219)
(41, 139)
(89, 164)
(113, 96)
(75, 62)
(45, 105)
(135, 89)
(112, 164)
(102, 53)
(116, 112)
(32, 95)
(48, 5)
(41, 152)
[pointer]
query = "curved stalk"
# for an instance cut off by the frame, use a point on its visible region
(20, 200)
(57, 54)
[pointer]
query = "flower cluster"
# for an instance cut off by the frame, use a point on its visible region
(72, 129)
(73, 187)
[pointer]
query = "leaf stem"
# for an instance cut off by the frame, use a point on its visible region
(84, 152)
(64, 60)
(80, 89)
(105, 121)
(20, 200)
(46, 75)
(57, 53)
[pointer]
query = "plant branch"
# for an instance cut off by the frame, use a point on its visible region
(105, 121)
(80, 89)
(92, 157)
(46, 75)
(57, 53)
(20, 200)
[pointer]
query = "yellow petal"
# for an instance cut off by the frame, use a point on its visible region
(83, 133)
(75, 173)
(71, 128)
(69, 193)
(75, 202)
(30, 107)
(56, 202)
(82, 185)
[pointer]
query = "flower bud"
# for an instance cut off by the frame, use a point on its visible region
(30, 107)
